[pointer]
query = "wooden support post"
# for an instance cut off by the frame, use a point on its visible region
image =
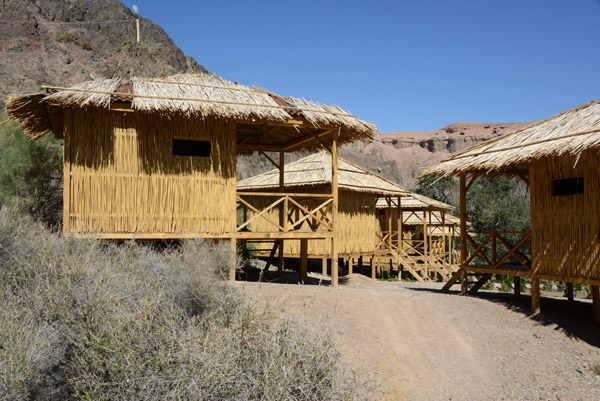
(350, 263)
(373, 269)
(334, 209)
(596, 301)
(303, 259)
(324, 266)
(400, 227)
(464, 285)
(517, 286)
(360, 264)
(390, 224)
(282, 214)
(233, 259)
(443, 236)
(535, 295)
(137, 28)
(570, 291)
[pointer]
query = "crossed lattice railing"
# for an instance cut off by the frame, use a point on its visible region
(514, 249)
(284, 212)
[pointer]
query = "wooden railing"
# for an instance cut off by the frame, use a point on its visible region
(513, 252)
(285, 212)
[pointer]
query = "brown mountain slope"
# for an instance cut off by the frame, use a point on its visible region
(401, 156)
(60, 42)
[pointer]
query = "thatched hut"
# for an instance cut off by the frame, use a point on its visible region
(359, 190)
(156, 158)
(425, 224)
(558, 158)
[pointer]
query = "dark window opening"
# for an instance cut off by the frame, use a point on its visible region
(567, 186)
(185, 147)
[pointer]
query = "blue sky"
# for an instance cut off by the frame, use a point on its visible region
(404, 65)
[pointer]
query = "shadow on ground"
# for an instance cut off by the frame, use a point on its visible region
(573, 318)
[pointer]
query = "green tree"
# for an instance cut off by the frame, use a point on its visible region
(31, 174)
(441, 189)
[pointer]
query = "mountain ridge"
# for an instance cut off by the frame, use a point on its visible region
(64, 42)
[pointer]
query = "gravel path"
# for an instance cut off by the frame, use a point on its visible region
(411, 342)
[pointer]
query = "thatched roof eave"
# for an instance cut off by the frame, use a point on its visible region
(566, 134)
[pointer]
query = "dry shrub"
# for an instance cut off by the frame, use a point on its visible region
(84, 319)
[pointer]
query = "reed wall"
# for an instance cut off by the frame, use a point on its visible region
(565, 229)
(357, 223)
(124, 179)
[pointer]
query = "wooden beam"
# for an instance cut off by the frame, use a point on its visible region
(480, 283)
(303, 260)
(280, 194)
(464, 285)
(535, 296)
(350, 264)
(334, 209)
(233, 202)
(258, 147)
(471, 181)
(307, 138)
(276, 235)
(262, 152)
(324, 266)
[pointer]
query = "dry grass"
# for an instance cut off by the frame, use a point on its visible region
(83, 319)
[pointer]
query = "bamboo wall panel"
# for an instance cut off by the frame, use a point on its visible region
(125, 178)
(357, 220)
(565, 229)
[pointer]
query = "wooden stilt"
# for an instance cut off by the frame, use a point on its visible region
(535, 296)
(334, 209)
(596, 301)
(517, 286)
(464, 285)
(373, 267)
(570, 291)
(324, 266)
(303, 260)
(282, 214)
(350, 263)
(233, 260)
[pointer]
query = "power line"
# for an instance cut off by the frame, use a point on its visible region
(66, 22)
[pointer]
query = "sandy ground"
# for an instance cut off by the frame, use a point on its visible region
(411, 342)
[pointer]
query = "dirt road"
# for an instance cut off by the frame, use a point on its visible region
(412, 342)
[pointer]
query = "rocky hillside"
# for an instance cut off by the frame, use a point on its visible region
(61, 42)
(401, 156)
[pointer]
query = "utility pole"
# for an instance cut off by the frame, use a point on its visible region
(137, 22)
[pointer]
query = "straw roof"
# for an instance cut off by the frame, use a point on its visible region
(568, 133)
(415, 218)
(316, 170)
(415, 201)
(202, 95)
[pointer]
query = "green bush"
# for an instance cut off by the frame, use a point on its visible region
(84, 319)
(31, 174)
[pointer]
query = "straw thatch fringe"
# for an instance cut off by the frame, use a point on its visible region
(30, 112)
(80, 98)
(316, 170)
(567, 133)
(200, 95)
(415, 201)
